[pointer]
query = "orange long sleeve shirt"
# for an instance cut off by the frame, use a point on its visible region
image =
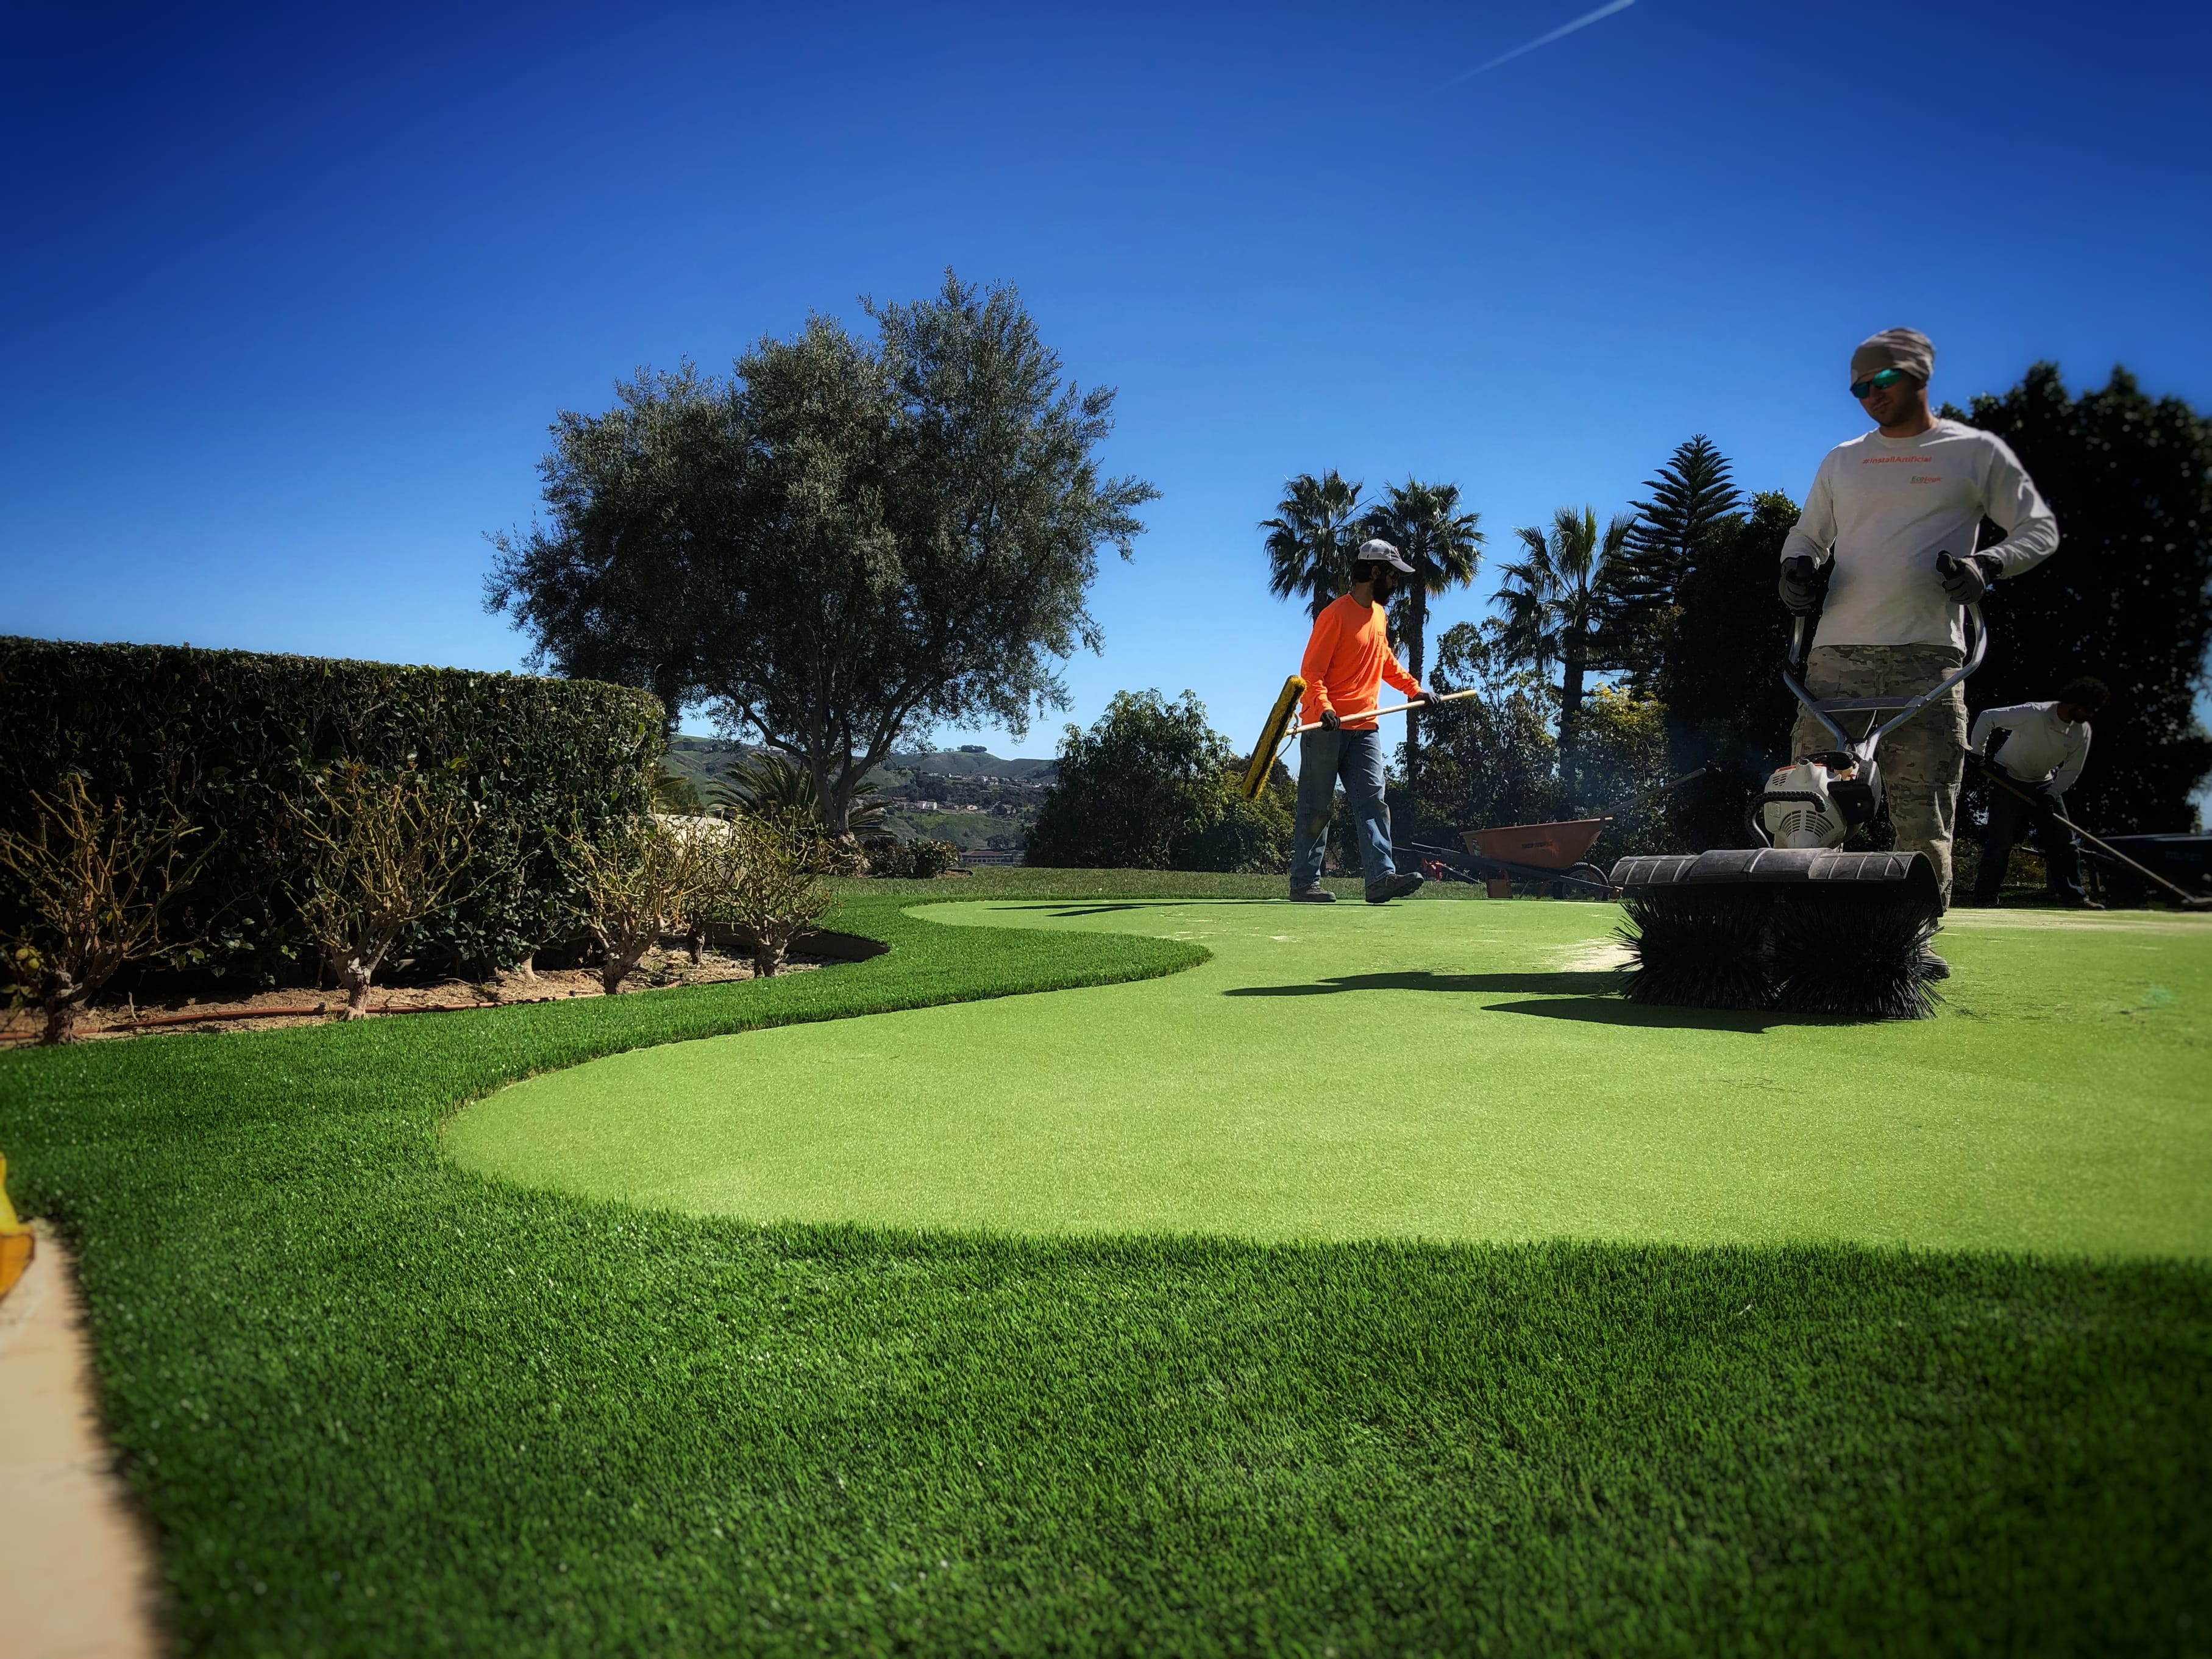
(1347, 661)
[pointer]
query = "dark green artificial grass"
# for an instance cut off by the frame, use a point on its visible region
(377, 1404)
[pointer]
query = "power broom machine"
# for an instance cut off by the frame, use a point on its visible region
(1798, 924)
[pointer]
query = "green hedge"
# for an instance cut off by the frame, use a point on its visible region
(231, 736)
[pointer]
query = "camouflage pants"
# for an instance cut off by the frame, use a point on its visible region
(1922, 760)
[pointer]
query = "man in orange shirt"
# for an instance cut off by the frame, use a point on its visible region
(1347, 661)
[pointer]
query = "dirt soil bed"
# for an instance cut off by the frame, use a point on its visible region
(661, 970)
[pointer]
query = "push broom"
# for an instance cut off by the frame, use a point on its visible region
(1283, 724)
(2184, 899)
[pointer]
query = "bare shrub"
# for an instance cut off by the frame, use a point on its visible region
(384, 850)
(634, 881)
(765, 880)
(94, 883)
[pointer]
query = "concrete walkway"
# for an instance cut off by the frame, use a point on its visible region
(76, 1567)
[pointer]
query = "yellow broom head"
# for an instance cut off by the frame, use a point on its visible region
(16, 1240)
(1271, 738)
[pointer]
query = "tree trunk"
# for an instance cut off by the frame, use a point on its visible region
(1570, 720)
(767, 953)
(355, 978)
(64, 1001)
(1417, 628)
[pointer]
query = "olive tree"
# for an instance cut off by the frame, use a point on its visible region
(847, 543)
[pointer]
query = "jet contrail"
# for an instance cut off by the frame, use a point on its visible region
(1582, 22)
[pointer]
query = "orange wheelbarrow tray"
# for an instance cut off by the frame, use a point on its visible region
(1547, 853)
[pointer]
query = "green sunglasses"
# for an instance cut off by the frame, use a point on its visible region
(1881, 380)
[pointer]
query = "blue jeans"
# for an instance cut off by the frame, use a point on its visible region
(1356, 757)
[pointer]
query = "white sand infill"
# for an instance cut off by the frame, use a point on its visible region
(76, 1568)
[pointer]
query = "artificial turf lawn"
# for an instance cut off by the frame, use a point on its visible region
(377, 1403)
(1442, 1071)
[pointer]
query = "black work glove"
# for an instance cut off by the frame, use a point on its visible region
(1330, 720)
(1427, 699)
(1801, 586)
(1965, 580)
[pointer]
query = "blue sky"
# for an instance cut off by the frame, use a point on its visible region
(292, 295)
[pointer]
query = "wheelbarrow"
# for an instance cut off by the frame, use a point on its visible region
(1548, 854)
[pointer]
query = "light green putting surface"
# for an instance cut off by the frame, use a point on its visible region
(1447, 1071)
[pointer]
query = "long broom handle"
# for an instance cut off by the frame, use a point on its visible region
(1989, 771)
(1449, 697)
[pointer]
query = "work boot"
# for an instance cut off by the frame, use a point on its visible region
(2084, 902)
(1933, 966)
(1390, 887)
(1312, 895)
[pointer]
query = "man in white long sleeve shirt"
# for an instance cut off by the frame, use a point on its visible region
(1883, 506)
(2045, 746)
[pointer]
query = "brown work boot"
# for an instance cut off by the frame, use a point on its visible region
(1312, 895)
(1391, 887)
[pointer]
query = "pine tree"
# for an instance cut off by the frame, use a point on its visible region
(1694, 492)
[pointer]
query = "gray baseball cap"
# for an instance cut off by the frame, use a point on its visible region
(1379, 552)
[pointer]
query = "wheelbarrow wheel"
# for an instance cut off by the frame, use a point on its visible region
(1601, 888)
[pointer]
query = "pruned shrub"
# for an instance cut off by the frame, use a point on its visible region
(91, 886)
(231, 739)
(636, 880)
(380, 851)
(766, 882)
(909, 861)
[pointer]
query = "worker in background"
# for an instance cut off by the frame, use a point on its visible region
(2045, 746)
(1883, 506)
(1346, 660)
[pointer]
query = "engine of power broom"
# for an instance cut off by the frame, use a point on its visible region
(1819, 800)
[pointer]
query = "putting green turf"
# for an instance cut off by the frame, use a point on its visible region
(1435, 1071)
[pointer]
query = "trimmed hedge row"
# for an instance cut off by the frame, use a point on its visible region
(230, 738)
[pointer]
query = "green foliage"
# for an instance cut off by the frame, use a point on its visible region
(374, 1404)
(919, 860)
(1554, 599)
(1311, 538)
(846, 543)
(1721, 679)
(1692, 493)
(2128, 596)
(230, 738)
(767, 783)
(1492, 759)
(608, 592)
(1624, 753)
(1153, 786)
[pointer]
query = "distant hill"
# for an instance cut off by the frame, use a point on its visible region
(971, 764)
(700, 759)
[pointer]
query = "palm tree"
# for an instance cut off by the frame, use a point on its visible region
(1444, 547)
(1311, 538)
(1553, 607)
(772, 784)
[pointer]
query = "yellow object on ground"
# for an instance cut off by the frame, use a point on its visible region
(16, 1243)
(1271, 738)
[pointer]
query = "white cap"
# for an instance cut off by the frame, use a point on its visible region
(1379, 552)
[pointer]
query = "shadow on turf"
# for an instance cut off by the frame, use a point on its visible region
(1066, 908)
(1555, 984)
(1588, 996)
